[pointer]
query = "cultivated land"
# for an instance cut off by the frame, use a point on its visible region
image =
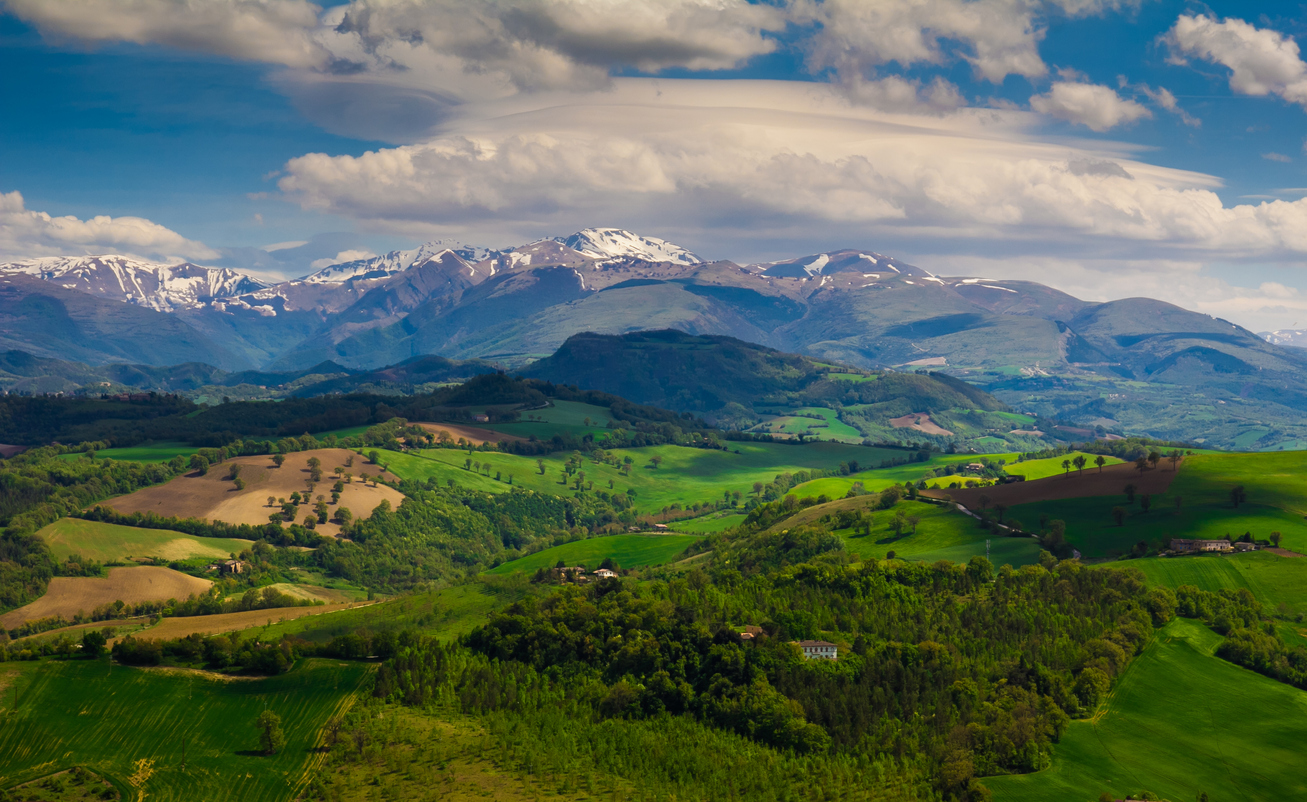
(111, 543)
(147, 452)
(628, 551)
(1180, 722)
(215, 497)
(1091, 482)
(170, 628)
(131, 726)
(474, 435)
(943, 533)
(1052, 466)
(716, 522)
(68, 595)
(685, 476)
(1279, 583)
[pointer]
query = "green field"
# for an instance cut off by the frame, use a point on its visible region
(87, 713)
(826, 424)
(1040, 468)
(943, 534)
(1279, 583)
(1180, 722)
(148, 452)
(628, 551)
(877, 479)
(686, 475)
(113, 543)
(710, 523)
(561, 417)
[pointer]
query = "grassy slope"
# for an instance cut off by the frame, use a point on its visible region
(1273, 579)
(686, 475)
(877, 479)
(630, 551)
(1180, 722)
(109, 542)
(943, 534)
(151, 452)
(1276, 502)
(86, 713)
(1040, 468)
(711, 523)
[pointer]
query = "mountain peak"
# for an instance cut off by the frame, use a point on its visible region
(398, 261)
(610, 243)
(156, 285)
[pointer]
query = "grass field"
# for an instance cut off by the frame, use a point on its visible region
(562, 417)
(878, 479)
(131, 726)
(1040, 468)
(708, 524)
(1180, 722)
(817, 422)
(1273, 579)
(69, 595)
(628, 551)
(109, 542)
(686, 475)
(943, 534)
(147, 452)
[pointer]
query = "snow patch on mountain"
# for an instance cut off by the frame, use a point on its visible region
(616, 243)
(162, 287)
(398, 261)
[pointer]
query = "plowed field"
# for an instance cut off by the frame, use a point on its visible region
(1110, 482)
(69, 595)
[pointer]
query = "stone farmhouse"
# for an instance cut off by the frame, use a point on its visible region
(818, 650)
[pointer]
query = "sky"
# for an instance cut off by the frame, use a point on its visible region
(1105, 147)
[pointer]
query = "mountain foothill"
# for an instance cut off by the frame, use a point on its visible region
(1135, 366)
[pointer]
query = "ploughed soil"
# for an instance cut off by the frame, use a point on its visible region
(214, 497)
(7, 451)
(1110, 482)
(473, 434)
(69, 595)
(919, 421)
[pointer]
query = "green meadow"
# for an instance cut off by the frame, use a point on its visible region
(561, 417)
(685, 475)
(877, 479)
(132, 726)
(717, 522)
(1180, 722)
(628, 551)
(104, 542)
(1040, 468)
(943, 534)
(147, 452)
(1279, 583)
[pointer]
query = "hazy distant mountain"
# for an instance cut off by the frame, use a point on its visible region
(1294, 337)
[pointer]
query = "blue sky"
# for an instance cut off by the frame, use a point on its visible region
(1009, 138)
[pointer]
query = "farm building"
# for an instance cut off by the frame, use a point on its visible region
(1183, 546)
(604, 573)
(660, 527)
(482, 418)
(818, 650)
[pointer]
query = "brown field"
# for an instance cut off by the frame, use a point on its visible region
(171, 628)
(1073, 485)
(919, 421)
(474, 435)
(7, 451)
(214, 497)
(69, 595)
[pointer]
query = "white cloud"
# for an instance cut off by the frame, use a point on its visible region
(698, 155)
(998, 37)
(1163, 97)
(274, 31)
(1276, 157)
(1092, 105)
(26, 233)
(341, 258)
(1261, 61)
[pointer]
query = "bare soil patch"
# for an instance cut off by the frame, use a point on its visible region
(69, 595)
(1284, 552)
(7, 451)
(1110, 482)
(171, 628)
(215, 497)
(919, 421)
(473, 434)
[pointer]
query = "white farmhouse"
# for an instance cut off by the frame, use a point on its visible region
(818, 650)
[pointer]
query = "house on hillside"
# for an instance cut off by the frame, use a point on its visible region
(481, 418)
(1185, 546)
(818, 650)
(604, 573)
(660, 527)
(750, 633)
(231, 567)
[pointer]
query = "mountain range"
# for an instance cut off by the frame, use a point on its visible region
(1135, 365)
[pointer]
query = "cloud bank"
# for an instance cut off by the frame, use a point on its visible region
(27, 233)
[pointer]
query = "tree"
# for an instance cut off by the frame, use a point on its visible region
(913, 521)
(1066, 466)
(1000, 509)
(199, 464)
(234, 472)
(1275, 539)
(757, 488)
(1100, 461)
(983, 501)
(93, 643)
(1129, 493)
(1141, 464)
(1079, 462)
(1154, 457)
(278, 459)
(1174, 456)
(374, 457)
(1145, 501)
(1238, 496)
(656, 461)
(541, 465)
(314, 462)
(271, 738)
(272, 501)
(1118, 515)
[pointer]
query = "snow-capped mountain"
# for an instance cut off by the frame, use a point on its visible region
(1294, 337)
(162, 287)
(825, 264)
(615, 243)
(399, 261)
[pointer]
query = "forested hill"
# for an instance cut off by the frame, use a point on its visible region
(706, 373)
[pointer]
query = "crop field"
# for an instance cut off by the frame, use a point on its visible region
(819, 422)
(686, 475)
(877, 479)
(562, 417)
(1090, 483)
(1180, 722)
(628, 551)
(215, 497)
(69, 595)
(943, 534)
(135, 726)
(1040, 468)
(110, 542)
(708, 524)
(1279, 583)
(473, 434)
(149, 452)
(170, 628)
(447, 613)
